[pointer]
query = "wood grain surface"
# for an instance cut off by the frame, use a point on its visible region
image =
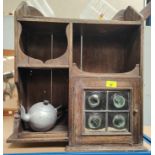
(57, 59)
(38, 147)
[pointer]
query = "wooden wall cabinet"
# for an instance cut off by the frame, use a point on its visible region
(94, 125)
(93, 68)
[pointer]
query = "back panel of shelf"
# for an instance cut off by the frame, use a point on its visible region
(103, 48)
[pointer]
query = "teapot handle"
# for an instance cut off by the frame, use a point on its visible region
(60, 106)
(59, 114)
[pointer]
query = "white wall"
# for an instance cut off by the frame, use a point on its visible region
(147, 75)
(73, 8)
(121, 4)
(8, 32)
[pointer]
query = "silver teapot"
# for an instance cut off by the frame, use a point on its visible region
(42, 116)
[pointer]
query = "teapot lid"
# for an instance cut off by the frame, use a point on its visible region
(46, 102)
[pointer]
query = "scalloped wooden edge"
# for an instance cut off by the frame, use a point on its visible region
(24, 10)
(75, 71)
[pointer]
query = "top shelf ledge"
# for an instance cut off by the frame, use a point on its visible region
(81, 21)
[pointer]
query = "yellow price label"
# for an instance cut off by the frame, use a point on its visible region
(111, 84)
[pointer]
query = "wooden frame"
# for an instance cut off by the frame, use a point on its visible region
(92, 84)
(107, 111)
(92, 53)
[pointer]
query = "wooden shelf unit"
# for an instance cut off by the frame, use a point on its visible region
(59, 59)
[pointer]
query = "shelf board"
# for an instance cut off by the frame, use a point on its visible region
(42, 66)
(58, 134)
(84, 21)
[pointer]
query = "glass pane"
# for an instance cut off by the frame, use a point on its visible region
(118, 100)
(95, 100)
(95, 121)
(118, 121)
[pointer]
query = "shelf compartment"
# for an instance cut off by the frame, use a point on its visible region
(42, 43)
(36, 85)
(58, 134)
(103, 48)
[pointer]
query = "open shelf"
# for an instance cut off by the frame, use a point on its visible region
(37, 85)
(43, 43)
(106, 48)
(57, 134)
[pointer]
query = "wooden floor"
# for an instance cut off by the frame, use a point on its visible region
(42, 147)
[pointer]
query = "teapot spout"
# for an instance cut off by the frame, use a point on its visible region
(24, 116)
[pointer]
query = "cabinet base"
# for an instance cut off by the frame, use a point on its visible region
(105, 148)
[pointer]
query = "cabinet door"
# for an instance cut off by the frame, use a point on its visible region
(104, 114)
